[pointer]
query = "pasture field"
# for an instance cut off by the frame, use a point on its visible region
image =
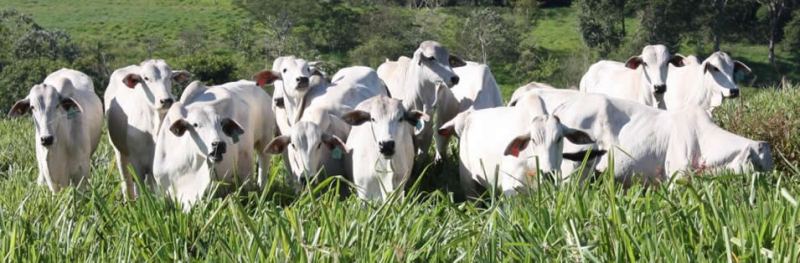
(725, 216)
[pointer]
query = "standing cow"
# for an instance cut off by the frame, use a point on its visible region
(68, 117)
(418, 81)
(136, 100)
(705, 84)
(641, 79)
(320, 123)
(381, 146)
(211, 135)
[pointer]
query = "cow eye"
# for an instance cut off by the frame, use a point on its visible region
(319, 145)
(146, 79)
(195, 125)
(372, 119)
(432, 58)
(284, 70)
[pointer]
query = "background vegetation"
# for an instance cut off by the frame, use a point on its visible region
(732, 217)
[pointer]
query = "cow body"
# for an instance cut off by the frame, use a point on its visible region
(136, 99)
(68, 117)
(212, 136)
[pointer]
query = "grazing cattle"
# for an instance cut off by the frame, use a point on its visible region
(418, 81)
(211, 136)
(68, 117)
(136, 100)
(321, 125)
(640, 79)
(659, 144)
(529, 142)
(381, 146)
(477, 88)
(704, 84)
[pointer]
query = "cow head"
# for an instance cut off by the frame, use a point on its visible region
(292, 75)
(50, 107)
(436, 64)
(390, 123)
(545, 140)
(718, 76)
(154, 78)
(308, 145)
(211, 133)
(654, 62)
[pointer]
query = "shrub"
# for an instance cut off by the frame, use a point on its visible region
(768, 115)
(210, 68)
(17, 78)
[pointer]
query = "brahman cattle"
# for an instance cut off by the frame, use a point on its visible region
(704, 84)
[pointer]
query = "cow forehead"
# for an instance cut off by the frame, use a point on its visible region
(41, 94)
(383, 107)
(433, 49)
(155, 69)
(721, 60)
(306, 134)
(294, 63)
(544, 129)
(655, 54)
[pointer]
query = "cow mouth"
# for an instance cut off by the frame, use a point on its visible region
(216, 153)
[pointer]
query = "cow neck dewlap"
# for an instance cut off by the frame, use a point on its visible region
(643, 91)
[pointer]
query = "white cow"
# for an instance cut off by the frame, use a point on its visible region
(659, 144)
(530, 141)
(381, 146)
(704, 84)
(640, 79)
(68, 117)
(320, 123)
(477, 89)
(211, 136)
(136, 100)
(291, 77)
(418, 81)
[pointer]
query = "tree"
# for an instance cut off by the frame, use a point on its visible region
(487, 35)
(667, 21)
(776, 10)
(602, 24)
(792, 35)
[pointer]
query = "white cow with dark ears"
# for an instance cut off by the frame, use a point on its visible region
(643, 78)
(68, 117)
(211, 135)
(381, 146)
(420, 82)
(704, 84)
(136, 100)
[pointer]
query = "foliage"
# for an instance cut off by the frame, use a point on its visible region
(210, 68)
(792, 35)
(602, 24)
(17, 78)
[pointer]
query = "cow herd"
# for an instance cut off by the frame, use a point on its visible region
(647, 120)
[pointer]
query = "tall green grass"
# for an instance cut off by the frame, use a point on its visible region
(730, 216)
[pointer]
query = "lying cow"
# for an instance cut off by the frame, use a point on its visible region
(136, 100)
(320, 124)
(660, 144)
(529, 142)
(704, 84)
(418, 81)
(68, 117)
(641, 79)
(211, 136)
(381, 146)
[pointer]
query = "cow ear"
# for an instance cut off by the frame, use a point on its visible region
(70, 105)
(333, 141)
(131, 80)
(181, 76)
(577, 136)
(179, 127)
(356, 117)
(578, 156)
(677, 60)
(20, 108)
(415, 116)
(456, 62)
(739, 66)
(517, 145)
(278, 145)
(232, 128)
(634, 62)
(447, 130)
(266, 77)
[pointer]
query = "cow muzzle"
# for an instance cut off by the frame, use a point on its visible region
(734, 93)
(660, 89)
(47, 140)
(218, 149)
(386, 148)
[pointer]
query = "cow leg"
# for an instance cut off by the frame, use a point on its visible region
(128, 186)
(264, 165)
(441, 147)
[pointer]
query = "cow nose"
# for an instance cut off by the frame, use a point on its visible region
(302, 80)
(734, 93)
(661, 89)
(167, 102)
(454, 80)
(217, 150)
(46, 140)
(386, 148)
